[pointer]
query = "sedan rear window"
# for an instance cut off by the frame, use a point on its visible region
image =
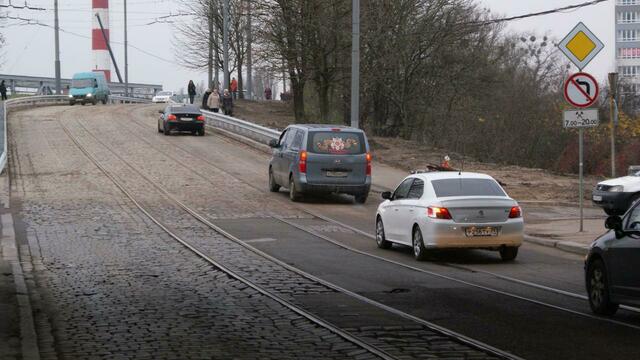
(334, 142)
(466, 187)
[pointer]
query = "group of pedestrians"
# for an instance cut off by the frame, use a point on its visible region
(212, 99)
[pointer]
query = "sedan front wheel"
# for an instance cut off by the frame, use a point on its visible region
(381, 240)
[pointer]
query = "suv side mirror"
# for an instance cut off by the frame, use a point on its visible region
(613, 223)
(386, 195)
(273, 143)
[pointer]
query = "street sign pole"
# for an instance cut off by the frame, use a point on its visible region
(581, 160)
(613, 87)
(580, 46)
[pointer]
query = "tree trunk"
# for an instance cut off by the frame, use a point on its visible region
(323, 99)
(298, 98)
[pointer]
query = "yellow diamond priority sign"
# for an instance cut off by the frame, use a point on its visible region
(580, 46)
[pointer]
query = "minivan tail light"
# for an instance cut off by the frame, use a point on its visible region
(200, 118)
(171, 117)
(515, 212)
(302, 164)
(368, 157)
(435, 212)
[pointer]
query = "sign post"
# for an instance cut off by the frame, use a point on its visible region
(580, 46)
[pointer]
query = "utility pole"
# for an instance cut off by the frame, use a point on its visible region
(210, 59)
(355, 65)
(249, 55)
(613, 89)
(126, 55)
(225, 40)
(57, 46)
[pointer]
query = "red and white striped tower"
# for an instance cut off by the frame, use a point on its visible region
(101, 59)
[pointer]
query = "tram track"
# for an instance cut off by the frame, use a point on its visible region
(467, 268)
(202, 219)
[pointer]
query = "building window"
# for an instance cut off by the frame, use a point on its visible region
(628, 17)
(629, 53)
(627, 35)
(627, 2)
(629, 70)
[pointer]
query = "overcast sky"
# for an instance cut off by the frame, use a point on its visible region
(29, 49)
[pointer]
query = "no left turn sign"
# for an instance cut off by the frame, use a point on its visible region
(581, 90)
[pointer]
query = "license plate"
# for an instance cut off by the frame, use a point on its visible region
(597, 198)
(337, 174)
(185, 119)
(481, 231)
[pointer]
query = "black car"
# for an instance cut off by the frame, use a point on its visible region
(179, 117)
(611, 268)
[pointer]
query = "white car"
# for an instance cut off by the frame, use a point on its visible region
(162, 97)
(617, 195)
(449, 210)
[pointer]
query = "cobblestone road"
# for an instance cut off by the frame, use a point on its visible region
(112, 284)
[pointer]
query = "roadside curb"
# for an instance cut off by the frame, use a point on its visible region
(568, 246)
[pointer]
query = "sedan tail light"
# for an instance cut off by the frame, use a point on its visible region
(171, 117)
(438, 213)
(368, 156)
(515, 212)
(200, 118)
(302, 163)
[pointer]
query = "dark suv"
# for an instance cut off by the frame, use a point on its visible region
(321, 159)
(611, 269)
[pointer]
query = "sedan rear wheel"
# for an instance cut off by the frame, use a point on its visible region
(598, 289)
(167, 130)
(508, 253)
(419, 251)
(381, 240)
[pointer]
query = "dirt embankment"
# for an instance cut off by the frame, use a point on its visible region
(524, 184)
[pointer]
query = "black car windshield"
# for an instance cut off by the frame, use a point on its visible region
(466, 187)
(82, 83)
(336, 142)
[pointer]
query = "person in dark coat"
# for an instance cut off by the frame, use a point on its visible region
(205, 97)
(3, 90)
(267, 93)
(192, 91)
(227, 103)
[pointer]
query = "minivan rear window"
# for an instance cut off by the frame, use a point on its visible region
(466, 187)
(336, 142)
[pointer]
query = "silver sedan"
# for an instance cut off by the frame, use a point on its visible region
(448, 210)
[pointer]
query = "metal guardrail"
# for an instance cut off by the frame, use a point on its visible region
(44, 100)
(114, 99)
(240, 127)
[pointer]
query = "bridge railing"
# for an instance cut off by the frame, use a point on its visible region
(115, 99)
(240, 127)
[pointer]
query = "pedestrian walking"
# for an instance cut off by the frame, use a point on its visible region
(214, 100)
(191, 89)
(3, 90)
(205, 98)
(227, 103)
(267, 93)
(234, 88)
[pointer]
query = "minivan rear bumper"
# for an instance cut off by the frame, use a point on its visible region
(351, 189)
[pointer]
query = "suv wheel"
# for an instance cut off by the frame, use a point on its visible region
(381, 240)
(598, 289)
(294, 194)
(361, 199)
(419, 251)
(273, 186)
(508, 253)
